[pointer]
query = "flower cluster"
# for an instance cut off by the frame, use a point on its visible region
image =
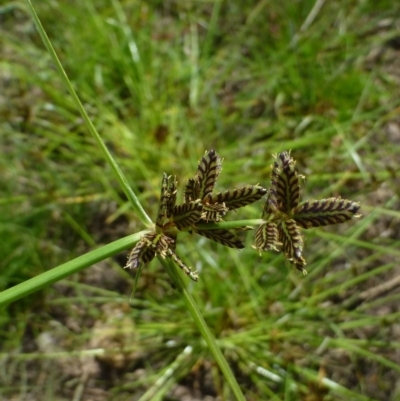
(283, 214)
(200, 205)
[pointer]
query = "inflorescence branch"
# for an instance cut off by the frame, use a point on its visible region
(283, 214)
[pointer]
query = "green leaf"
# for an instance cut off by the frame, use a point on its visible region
(103, 148)
(197, 316)
(67, 269)
(317, 213)
(292, 243)
(267, 237)
(238, 197)
(84, 261)
(223, 237)
(187, 214)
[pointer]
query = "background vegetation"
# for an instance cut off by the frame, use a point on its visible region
(163, 82)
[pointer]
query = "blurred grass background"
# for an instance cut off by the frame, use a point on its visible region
(163, 82)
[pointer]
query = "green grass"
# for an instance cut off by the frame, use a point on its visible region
(162, 82)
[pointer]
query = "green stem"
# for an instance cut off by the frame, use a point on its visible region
(73, 266)
(117, 171)
(193, 309)
(78, 264)
(229, 224)
(88, 259)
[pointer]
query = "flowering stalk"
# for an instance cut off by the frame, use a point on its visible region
(200, 208)
(202, 212)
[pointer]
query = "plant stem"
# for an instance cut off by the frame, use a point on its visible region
(73, 266)
(229, 224)
(130, 194)
(192, 307)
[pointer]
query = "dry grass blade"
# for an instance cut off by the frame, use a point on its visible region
(324, 212)
(238, 197)
(223, 237)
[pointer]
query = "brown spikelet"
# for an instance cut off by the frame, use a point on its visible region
(270, 206)
(147, 256)
(213, 212)
(299, 264)
(159, 243)
(223, 237)
(283, 211)
(192, 190)
(192, 274)
(172, 237)
(142, 253)
(153, 244)
(267, 237)
(324, 212)
(287, 183)
(238, 197)
(187, 214)
(139, 255)
(164, 201)
(171, 196)
(292, 243)
(271, 203)
(207, 172)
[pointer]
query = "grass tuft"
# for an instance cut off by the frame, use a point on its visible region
(162, 83)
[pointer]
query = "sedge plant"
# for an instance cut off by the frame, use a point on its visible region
(202, 212)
